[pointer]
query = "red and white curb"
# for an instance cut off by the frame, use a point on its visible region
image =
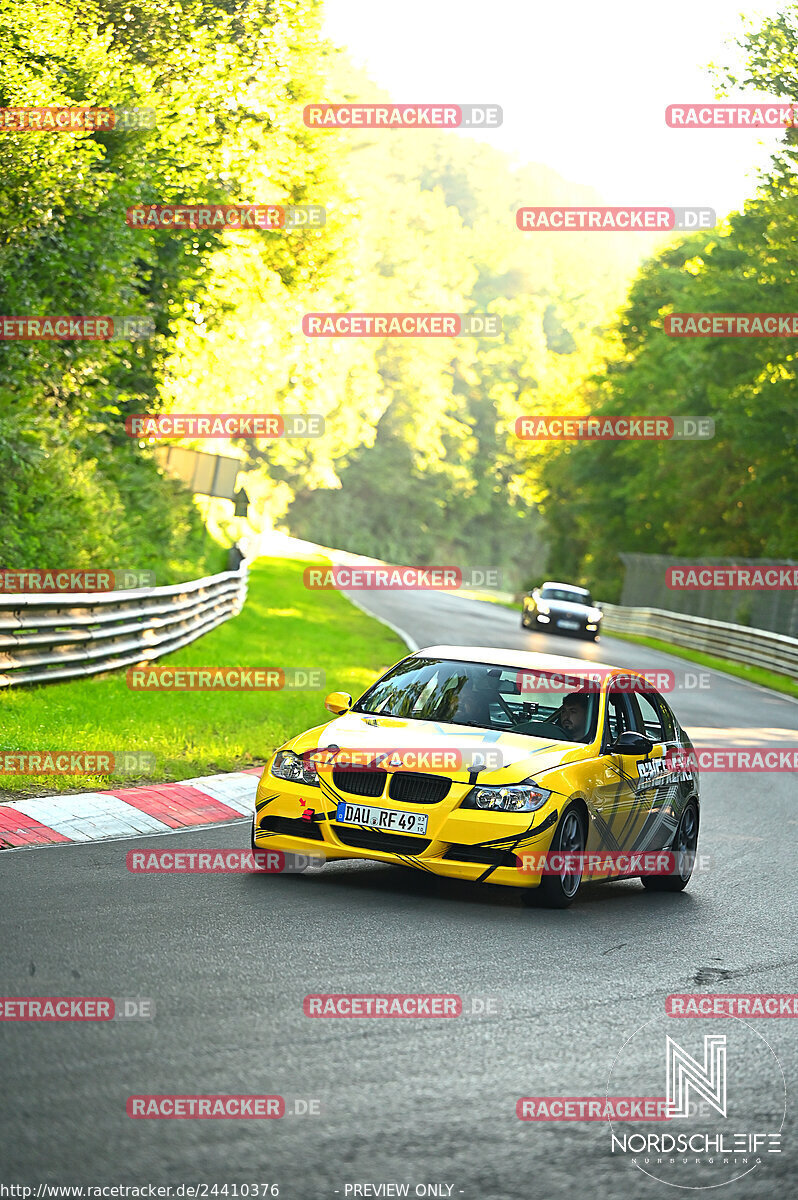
(126, 812)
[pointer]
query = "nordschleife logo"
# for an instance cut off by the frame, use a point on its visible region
(724, 1096)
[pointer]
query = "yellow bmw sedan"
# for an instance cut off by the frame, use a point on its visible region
(495, 766)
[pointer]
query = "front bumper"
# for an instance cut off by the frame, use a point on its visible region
(548, 623)
(460, 843)
(590, 629)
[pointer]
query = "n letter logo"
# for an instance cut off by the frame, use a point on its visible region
(684, 1073)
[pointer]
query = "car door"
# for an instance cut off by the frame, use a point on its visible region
(660, 788)
(615, 782)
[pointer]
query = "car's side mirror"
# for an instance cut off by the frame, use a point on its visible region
(630, 742)
(338, 702)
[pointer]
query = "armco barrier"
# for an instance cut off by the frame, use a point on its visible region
(645, 586)
(756, 647)
(47, 638)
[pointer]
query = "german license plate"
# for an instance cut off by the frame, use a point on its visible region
(568, 624)
(395, 819)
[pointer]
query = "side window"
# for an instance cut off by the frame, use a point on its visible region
(668, 719)
(647, 717)
(618, 716)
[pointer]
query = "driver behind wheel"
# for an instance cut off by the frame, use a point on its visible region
(473, 706)
(574, 715)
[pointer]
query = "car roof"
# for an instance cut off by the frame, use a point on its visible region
(502, 657)
(571, 587)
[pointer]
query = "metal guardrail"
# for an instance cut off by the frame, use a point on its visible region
(645, 586)
(47, 638)
(756, 647)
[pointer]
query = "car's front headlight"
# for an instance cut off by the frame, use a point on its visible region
(595, 615)
(544, 609)
(290, 766)
(526, 796)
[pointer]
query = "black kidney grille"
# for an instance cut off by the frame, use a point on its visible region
(412, 788)
(359, 781)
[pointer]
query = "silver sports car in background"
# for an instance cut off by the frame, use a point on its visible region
(561, 608)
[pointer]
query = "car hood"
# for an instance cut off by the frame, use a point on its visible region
(362, 735)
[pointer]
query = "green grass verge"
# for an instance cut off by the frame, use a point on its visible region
(768, 679)
(196, 733)
(514, 604)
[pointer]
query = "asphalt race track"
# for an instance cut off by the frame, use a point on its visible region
(227, 960)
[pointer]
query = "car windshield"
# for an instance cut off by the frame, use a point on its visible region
(481, 695)
(570, 594)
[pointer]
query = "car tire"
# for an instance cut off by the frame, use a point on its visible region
(684, 841)
(558, 891)
(523, 621)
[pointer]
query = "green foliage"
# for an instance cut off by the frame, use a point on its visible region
(220, 77)
(738, 493)
(419, 461)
